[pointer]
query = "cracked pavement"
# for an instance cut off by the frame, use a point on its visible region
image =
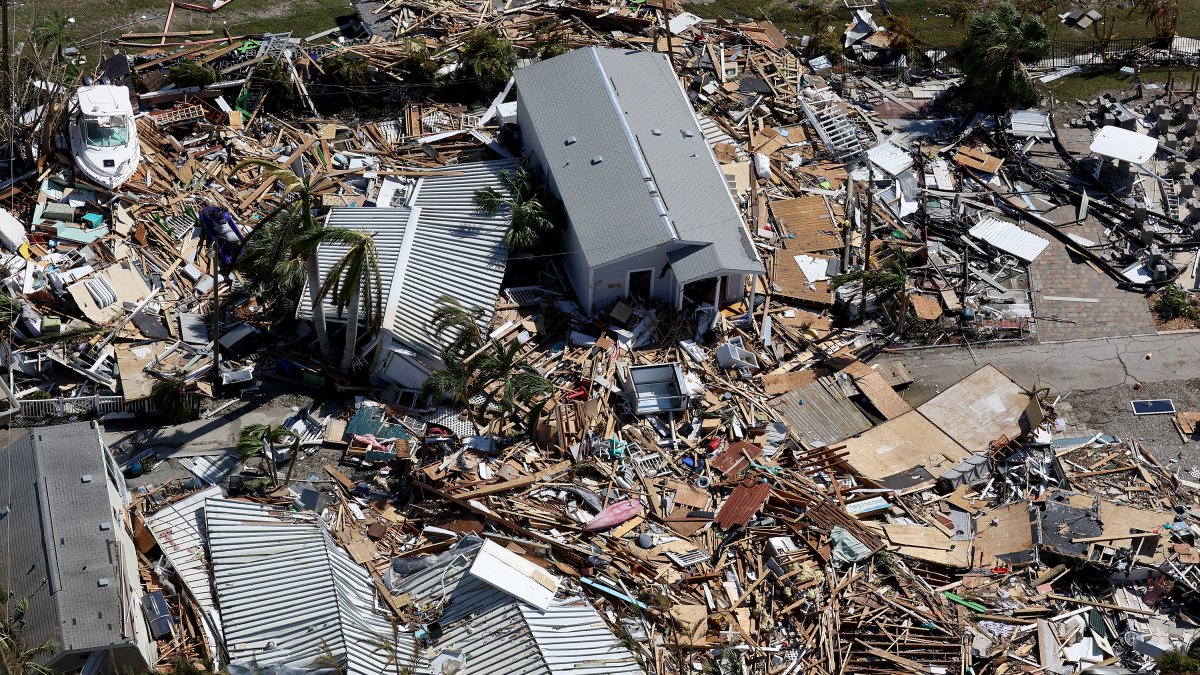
(1060, 367)
(1093, 380)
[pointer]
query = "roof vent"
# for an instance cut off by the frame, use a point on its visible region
(656, 131)
(4, 511)
(105, 526)
(85, 478)
(687, 133)
(571, 140)
(597, 159)
(102, 582)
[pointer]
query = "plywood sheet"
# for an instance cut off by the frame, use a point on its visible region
(1000, 532)
(926, 307)
(980, 408)
(902, 447)
(929, 544)
(807, 219)
(781, 383)
(881, 395)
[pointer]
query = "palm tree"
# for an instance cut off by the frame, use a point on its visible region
(960, 11)
(17, 657)
(887, 280)
(292, 243)
(531, 219)
(353, 276)
(52, 32)
(999, 42)
(488, 59)
(904, 38)
(457, 381)
(515, 379)
(1163, 15)
(273, 267)
(348, 70)
(819, 14)
(256, 438)
(169, 398)
(450, 317)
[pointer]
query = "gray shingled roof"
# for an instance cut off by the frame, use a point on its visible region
(53, 549)
(627, 109)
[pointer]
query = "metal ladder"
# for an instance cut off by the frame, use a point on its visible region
(1170, 198)
(834, 128)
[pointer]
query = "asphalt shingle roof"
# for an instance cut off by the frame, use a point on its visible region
(604, 119)
(57, 541)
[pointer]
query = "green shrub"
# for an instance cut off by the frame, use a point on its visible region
(1173, 302)
(1176, 662)
(192, 74)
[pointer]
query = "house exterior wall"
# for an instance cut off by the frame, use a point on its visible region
(608, 282)
(143, 646)
(574, 262)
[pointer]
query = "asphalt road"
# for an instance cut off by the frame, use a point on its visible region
(1061, 367)
(1093, 382)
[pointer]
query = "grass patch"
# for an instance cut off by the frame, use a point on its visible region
(96, 20)
(1091, 83)
(785, 15)
(930, 21)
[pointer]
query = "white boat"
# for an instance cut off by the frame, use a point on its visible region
(103, 134)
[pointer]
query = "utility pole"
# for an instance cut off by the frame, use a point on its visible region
(216, 331)
(6, 87)
(867, 224)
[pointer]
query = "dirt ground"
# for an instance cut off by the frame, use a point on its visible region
(1109, 411)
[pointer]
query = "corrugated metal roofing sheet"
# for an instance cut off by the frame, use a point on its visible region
(575, 640)
(743, 503)
(179, 530)
(1009, 238)
(289, 594)
(891, 158)
(476, 618)
(438, 238)
(820, 414)
(500, 634)
(1030, 124)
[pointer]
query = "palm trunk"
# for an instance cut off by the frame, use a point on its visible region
(350, 351)
(318, 312)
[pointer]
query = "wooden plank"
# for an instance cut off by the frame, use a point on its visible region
(781, 383)
(340, 477)
(511, 484)
(1103, 605)
(881, 395)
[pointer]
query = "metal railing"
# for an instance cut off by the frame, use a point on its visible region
(43, 410)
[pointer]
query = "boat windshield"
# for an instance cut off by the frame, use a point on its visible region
(105, 132)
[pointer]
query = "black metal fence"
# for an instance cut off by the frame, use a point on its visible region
(1086, 54)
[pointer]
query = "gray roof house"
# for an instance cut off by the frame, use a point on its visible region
(65, 546)
(650, 213)
(431, 240)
